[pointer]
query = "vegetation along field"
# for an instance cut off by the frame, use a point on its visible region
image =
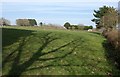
(36, 51)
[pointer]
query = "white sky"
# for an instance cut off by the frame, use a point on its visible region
(59, 0)
(57, 11)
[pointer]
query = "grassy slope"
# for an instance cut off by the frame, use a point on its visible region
(34, 51)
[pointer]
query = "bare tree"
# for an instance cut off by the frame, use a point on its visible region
(4, 22)
(22, 22)
(26, 22)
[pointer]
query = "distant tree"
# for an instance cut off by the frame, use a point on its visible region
(86, 27)
(74, 27)
(22, 22)
(26, 22)
(41, 24)
(19, 22)
(1, 22)
(4, 22)
(67, 25)
(32, 22)
(81, 26)
(35, 22)
(90, 27)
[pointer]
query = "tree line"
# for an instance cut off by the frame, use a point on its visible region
(33, 22)
(19, 22)
(67, 25)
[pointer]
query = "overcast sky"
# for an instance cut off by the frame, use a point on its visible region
(52, 11)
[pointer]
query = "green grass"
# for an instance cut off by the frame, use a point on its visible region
(35, 51)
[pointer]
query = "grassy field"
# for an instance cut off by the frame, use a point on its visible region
(35, 51)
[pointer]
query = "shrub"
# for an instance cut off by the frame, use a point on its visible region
(113, 37)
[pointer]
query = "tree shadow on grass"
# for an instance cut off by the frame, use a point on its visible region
(18, 69)
(9, 35)
(112, 57)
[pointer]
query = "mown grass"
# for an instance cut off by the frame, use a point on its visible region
(35, 51)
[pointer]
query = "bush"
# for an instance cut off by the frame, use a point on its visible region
(113, 37)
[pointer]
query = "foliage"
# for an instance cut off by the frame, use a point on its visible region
(113, 38)
(26, 22)
(109, 20)
(74, 27)
(22, 22)
(32, 22)
(88, 27)
(67, 25)
(98, 14)
(77, 27)
(4, 22)
(105, 17)
(41, 24)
